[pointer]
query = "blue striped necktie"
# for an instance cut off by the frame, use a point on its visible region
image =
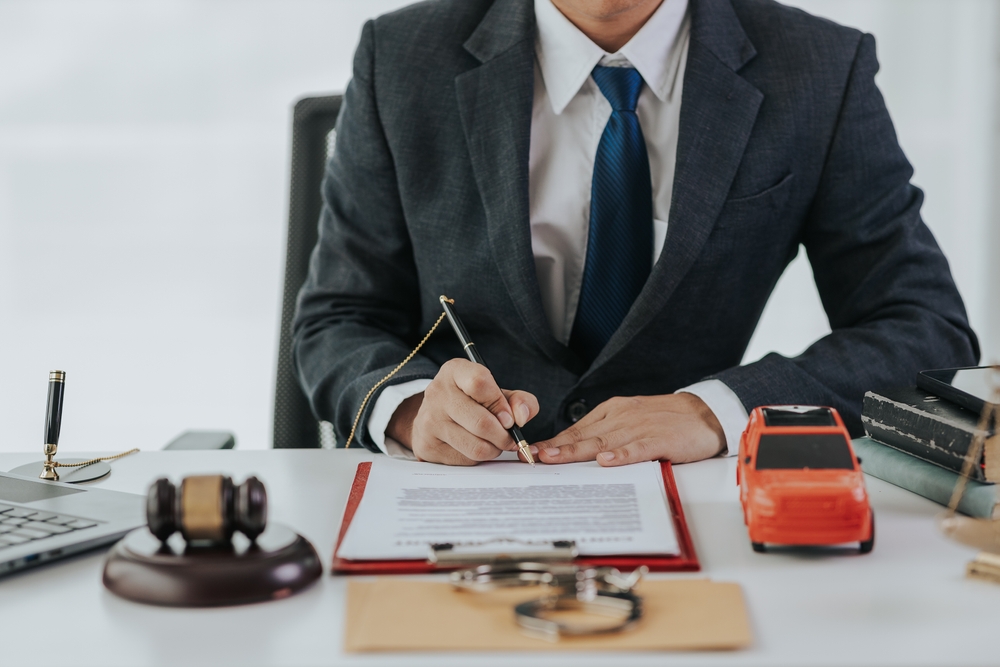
(620, 240)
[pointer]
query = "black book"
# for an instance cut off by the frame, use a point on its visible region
(923, 425)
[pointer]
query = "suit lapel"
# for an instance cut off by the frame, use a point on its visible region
(718, 111)
(495, 102)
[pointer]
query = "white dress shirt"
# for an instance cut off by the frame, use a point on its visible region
(568, 117)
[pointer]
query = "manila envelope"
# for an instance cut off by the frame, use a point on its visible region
(392, 614)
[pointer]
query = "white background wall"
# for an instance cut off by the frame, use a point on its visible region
(143, 195)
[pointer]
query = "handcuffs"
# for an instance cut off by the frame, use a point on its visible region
(601, 591)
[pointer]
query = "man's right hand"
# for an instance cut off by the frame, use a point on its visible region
(462, 417)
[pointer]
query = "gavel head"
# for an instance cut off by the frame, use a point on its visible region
(206, 508)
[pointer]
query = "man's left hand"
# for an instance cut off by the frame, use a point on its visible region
(674, 427)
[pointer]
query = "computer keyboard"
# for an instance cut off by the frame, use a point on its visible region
(19, 525)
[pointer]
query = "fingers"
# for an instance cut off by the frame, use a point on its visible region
(491, 411)
(626, 430)
(571, 435)
(441, 452)
(633, 452)
(585, 450)
(593, 425)
(478, 422)
(455, 420)
(477, 383)
(468, 444)
(463, 409)
(523, 404)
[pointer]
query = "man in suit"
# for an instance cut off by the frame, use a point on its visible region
(609, 190)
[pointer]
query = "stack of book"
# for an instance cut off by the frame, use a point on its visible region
(920, 442)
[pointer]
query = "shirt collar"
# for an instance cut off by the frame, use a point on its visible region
(566, 56)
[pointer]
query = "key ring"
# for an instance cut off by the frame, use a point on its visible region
(532, 615)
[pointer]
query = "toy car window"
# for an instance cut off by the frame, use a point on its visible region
(817, 417)
(819, 451)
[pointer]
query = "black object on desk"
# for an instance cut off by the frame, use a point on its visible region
(923, 425)
(203, 440)
(971, 387)
(53, 422)
(53, 409)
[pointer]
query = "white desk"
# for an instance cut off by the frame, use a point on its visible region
(906, 603)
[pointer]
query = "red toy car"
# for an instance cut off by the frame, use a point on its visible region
(800, 482)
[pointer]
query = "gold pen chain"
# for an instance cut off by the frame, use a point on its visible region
(56, 464)
(395, 370)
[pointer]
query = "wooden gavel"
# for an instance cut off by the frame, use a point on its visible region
(206, 508)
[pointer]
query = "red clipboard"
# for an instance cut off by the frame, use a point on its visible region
(685, 561)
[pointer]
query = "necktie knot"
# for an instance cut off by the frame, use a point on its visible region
(621, 85)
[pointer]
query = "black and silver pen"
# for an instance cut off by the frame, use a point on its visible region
(53, 421)
(474, 357)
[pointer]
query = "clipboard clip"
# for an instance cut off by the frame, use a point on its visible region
(501, 550)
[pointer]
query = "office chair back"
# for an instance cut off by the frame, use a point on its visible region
(313, 122)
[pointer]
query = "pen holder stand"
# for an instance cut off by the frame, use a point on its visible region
(73, 471)
(191, 554)
(81, 471)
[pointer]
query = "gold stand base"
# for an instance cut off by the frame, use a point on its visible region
(68, 475)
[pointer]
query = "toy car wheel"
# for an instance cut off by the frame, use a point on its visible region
(758, 547)
(867, 545)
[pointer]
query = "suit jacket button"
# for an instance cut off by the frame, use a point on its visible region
(576, 410)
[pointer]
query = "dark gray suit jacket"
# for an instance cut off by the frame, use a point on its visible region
(784, 140)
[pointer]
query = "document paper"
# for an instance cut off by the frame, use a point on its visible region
(408, 506)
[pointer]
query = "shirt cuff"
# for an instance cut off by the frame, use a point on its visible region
(385, 406)
(727, 408)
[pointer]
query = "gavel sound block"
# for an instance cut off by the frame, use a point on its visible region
(208, 544)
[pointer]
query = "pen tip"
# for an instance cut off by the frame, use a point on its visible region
(526, 452)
